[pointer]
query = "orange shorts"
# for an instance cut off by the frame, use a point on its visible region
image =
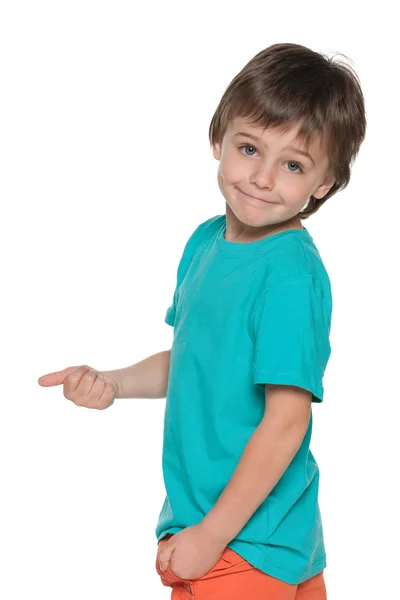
(233, 578)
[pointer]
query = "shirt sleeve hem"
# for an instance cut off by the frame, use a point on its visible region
(261, 377)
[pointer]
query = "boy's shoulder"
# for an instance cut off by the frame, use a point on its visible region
(203, 231)
(198, 237)
(210, 225)
(298, 256)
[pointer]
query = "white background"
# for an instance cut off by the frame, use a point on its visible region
(106, 170)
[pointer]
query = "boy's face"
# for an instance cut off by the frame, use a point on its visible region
(265, 184)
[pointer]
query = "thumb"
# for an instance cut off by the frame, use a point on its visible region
(165, 556)
(57, 378)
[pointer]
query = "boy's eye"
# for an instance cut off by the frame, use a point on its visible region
(291, 162)
(246, 146)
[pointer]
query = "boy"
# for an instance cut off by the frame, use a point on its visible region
(251, 314)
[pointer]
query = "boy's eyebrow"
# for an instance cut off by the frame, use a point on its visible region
(293, 148)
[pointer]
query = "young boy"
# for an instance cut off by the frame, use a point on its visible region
(252, 315)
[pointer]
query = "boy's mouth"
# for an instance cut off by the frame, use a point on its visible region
(255, 198)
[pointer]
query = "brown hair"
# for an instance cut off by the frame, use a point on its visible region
(289, 84)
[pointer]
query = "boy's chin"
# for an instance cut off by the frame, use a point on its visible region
(252, 216)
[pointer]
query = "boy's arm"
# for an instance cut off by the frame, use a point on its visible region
(268, 453)
(145, 379)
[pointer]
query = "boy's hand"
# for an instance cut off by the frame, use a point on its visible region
(192, 552)
(84, 386)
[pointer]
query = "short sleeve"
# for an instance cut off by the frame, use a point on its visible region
(291, 323)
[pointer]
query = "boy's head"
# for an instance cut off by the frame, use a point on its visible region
(287, 95)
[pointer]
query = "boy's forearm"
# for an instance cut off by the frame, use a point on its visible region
(145, 379)
(265, 458)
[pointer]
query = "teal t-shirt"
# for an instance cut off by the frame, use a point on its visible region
(245, 315)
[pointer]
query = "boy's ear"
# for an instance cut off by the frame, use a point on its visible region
(324, 187)
(217, 151)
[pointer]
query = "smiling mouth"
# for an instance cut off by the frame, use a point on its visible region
(254, 198)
